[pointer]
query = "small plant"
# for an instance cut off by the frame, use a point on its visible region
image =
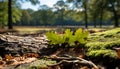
(69, 38)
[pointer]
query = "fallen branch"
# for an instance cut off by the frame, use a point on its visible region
(74, 61)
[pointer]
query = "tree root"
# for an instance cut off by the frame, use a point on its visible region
(71, 63)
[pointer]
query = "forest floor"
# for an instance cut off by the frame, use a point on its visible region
(33, 35)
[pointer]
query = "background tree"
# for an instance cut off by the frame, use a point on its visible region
(81, 4)
(26, 18)
(109, 6)
(94, 14)
(113, 6)
(71, 12)
(3, 15)
(45, 14)
(10, 24)
(60, 7)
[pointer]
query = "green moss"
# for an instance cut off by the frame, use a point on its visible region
(102, 44)
(102, 53)
(37, 64)
(110, 33)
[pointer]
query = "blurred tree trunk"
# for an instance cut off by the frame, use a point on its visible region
(85, 12)
(94, 20)
(61, 17)
(101, 17)
(116, 24)
(10, 25)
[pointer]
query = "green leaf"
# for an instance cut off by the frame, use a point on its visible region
(55, 38)
(81, 36)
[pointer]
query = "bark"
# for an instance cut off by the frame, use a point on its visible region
(10, 26)
(13, 45)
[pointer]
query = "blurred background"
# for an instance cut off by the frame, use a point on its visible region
(84, 13)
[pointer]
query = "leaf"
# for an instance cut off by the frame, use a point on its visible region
(54, 38)
(81, 36)
(68, 36)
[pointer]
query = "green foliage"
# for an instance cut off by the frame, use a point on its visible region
(54, 38)
(44, 16)
(3, 15)
(68, 37)
(102, 44)
(102, 53)
(79, 37)
(26, 18)
(16, 16)
(111, 33)
(109, 36)
(16, 13)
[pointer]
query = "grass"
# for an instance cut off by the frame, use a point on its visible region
(28, 29)
(32, 29)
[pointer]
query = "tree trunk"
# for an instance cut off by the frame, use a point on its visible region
(10, 26)
(61, 17)
(62, 20)
(94, 20)
(2, 24)
(86, 16)
(116, 20)
(116, 24)
(101, 17)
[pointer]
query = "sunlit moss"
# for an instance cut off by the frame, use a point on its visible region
(102, 44)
